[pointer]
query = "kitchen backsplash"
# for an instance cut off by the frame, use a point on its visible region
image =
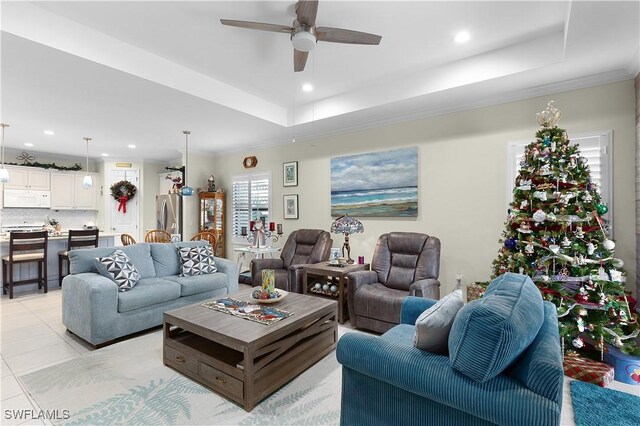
(69, 219)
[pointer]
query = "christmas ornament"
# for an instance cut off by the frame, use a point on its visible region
(608, 244)
(602, 209)
(525, 185)
(565, 242)
(579, 232)
(618, 263)
(529, 249)
(590, 248)
(524, 204)
(582, 312)
(603, 299)
(554, 248)
(539, 215)
(510, 243)
(546, 141)
(540, 195)
(580, 323)
(577, 343)
(525, 228)
(616, 275)
(551, 217)
(612, 313)
(587, 198)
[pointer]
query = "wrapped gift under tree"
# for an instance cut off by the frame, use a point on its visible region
(588, 370)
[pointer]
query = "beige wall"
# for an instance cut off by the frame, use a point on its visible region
(462, 175)
(150, 188)
(200, 167)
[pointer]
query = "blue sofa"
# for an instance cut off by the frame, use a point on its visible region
(94, 309)
(387, 381)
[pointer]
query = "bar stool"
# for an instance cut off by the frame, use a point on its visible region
(21, 242)
(77, 238)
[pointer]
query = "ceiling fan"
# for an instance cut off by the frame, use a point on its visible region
(304, 33)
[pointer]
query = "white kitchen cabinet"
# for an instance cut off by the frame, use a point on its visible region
(28, 178)
(67, 192)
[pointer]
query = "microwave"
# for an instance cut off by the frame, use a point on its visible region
(27, 199)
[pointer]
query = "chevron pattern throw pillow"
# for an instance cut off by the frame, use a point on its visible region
(196, 261)
(119, 269)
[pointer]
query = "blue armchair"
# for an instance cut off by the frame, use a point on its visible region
(387, 381)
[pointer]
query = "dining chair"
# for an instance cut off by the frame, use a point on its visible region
(157, 236)
(207, 236)
(77, 238)
(35, 246)
(127, 239)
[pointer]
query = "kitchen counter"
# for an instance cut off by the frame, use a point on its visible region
(54, 245)
(65, 235)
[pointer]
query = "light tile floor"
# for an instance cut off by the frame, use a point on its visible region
(32, 337)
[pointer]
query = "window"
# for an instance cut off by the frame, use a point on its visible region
(251, 200)
(595, 147)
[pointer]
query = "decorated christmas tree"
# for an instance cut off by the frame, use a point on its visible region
(555, 234)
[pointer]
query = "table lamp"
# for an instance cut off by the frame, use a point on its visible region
(346, 225)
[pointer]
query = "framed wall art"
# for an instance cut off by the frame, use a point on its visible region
(290, 207)
(375, 184)
(290, 174)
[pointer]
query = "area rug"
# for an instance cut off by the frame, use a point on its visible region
(596, 406)
(126, 383)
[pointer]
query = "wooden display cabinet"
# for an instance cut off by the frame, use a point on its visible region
(212, 206)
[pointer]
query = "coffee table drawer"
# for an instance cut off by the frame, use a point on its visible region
(221, 381)
(181, 360)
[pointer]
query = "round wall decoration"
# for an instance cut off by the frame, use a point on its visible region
(249, 162)
(122, 192)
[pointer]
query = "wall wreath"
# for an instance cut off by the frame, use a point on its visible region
(123, 191)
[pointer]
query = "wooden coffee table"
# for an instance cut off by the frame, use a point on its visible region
(246, 361)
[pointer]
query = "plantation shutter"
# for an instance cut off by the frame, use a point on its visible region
(251, 201)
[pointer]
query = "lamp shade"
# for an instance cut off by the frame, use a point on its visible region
(186, 191)
(347, 225)
(4, 175)
(87, 182)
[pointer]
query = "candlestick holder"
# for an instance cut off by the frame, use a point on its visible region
(259, 235)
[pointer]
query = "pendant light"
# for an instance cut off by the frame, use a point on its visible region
(4, 173)
(186, 190)
(87, 182)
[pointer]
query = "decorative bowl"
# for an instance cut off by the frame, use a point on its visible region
(281, 295)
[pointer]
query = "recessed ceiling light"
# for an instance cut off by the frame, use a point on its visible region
(462, 37)
(132, 146)
(28, 144)
(307, 87)
(104, 154)
(49, 132)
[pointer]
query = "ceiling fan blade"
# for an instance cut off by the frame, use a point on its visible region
(306, 10)
(257, 26)
(338, 35)
(299, 60)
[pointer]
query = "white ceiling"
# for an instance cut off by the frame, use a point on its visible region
(141, 72)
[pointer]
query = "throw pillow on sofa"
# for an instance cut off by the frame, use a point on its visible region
(196, 261)
(119, 269)
(488, 334)
(434, 324)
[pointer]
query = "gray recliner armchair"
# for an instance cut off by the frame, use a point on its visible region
(404, 264)
(304, 246)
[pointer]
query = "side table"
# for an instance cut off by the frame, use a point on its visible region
(318, 273)
(258, 253)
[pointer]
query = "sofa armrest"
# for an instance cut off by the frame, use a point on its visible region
(90, 306)
(429, 288)
(231, 269)
(500, 400)
(412, 307)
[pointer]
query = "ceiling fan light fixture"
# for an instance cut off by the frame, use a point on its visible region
(462, 37)
(303, 41)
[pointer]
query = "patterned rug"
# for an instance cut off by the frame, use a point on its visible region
(126, 383)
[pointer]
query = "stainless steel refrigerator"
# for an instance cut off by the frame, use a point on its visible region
(169, 213)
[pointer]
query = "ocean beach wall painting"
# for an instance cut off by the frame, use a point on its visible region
(376, 184)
